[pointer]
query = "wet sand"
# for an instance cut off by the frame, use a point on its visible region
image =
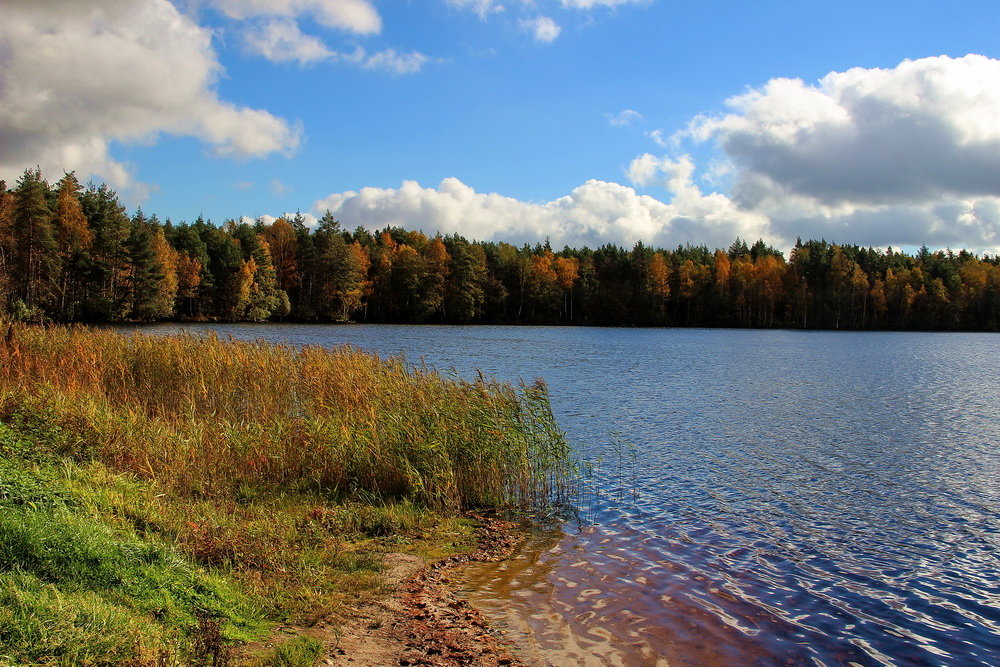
(424, 622)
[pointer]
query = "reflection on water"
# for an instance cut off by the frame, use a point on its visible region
(796, 497)
(586, 598)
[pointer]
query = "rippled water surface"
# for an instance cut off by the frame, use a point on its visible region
(758, 497)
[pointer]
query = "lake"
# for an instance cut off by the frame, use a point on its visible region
(753, 497)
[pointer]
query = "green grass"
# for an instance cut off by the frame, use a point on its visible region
(75, 588)
(43, 624)
(298, 652)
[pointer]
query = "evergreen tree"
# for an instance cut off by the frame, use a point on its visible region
(109, 254)
(35, 260)
(7, 208)
(143, 277)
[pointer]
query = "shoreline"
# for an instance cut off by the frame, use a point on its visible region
(423, 621)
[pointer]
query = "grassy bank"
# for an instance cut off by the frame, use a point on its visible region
(164, 500)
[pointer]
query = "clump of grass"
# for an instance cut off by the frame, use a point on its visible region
(41, 624)
(212, 417)
(78, 589)
(298, 652)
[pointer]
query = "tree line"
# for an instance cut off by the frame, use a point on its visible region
(73, 253)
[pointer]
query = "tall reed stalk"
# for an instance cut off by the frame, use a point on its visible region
(210, 416)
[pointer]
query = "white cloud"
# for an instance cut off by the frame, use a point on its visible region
(659, 139)
(624, 117)
(398, 63)
(542, 28)
(150, 70)
(922, 130)
(794, 153)
(358, 16)
(481, 7)
(281, 40)
(643, 169)
(899, 156)
(595, 213)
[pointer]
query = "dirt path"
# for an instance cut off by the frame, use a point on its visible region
(423, 622)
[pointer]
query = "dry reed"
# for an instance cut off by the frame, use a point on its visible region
(210, 416)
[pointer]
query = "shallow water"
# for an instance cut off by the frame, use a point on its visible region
(757, 497)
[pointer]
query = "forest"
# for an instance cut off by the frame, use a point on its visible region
(70, 253)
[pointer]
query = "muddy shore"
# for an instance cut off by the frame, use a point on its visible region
(423, 622)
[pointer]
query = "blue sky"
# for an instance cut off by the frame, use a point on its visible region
(585, 121)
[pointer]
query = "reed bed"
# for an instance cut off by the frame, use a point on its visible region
(217, 417)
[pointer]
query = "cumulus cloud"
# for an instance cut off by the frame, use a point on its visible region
(358, 16)
(900, 156)
(925, 129)
(625, 117)
(594, 213)
(642, 171)
(673, 175)
(150, 70)
(542, 28)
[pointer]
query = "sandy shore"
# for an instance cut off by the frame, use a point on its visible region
(423, 621)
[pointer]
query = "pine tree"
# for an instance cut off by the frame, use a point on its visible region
(7, 206)
(109, 253)
(35, 262)
(144, 276)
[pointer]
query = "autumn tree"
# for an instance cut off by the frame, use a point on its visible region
(543, 284)
(567, 273)
(74, 241)
(514, 269)
(437, 267)
(283, 244)
(658, 284)
(194, 280)
(264, 298)
(166, 258)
